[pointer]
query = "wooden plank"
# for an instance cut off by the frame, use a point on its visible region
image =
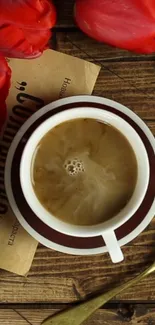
(130, 82)
(123, 314)
(77, 43)
(65, 11)
(59, 278)
(120, 85)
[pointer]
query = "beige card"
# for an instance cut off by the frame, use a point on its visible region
(34, 83)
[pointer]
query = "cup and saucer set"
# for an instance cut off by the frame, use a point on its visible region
(110, 235)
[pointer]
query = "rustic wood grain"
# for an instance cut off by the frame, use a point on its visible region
(119, 315)
(74, 40)
(59, 278)
(125, 77)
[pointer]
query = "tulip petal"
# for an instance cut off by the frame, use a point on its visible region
(39, 39)
(128, 24)
(40, 14)
(5, 75)
(25, 27)
(22, 43)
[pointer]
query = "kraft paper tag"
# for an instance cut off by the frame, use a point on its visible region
(35, 83)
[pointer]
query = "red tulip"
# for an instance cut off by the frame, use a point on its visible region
(128, 24)
(25, 29)
(5, 75)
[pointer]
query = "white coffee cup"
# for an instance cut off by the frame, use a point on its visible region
(107, 228)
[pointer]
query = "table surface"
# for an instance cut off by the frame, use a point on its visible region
(56, 280)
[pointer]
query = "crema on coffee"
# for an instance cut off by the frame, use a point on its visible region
(84, 171)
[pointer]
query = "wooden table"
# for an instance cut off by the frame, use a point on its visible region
(57, 280)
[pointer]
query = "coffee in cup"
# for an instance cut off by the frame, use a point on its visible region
(96, 166)
(84, 171)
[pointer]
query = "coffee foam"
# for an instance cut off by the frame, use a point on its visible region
(74, 166)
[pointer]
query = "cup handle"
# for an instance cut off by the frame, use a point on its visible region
(113, 246)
